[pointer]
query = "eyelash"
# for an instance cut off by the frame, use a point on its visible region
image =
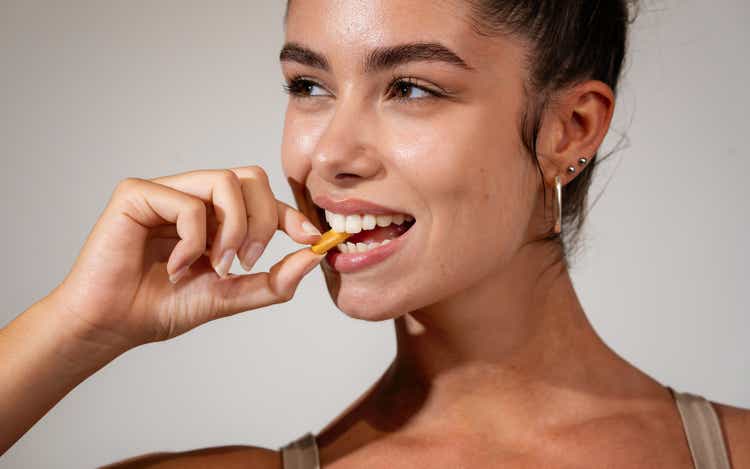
(297, 85)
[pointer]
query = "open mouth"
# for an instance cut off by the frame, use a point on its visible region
(369, 231)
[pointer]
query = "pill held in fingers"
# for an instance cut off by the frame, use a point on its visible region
(329, 240)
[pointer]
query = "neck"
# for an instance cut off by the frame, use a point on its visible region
(519, 335)
(518, 320)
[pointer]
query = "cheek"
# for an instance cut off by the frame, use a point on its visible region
(473, 184)
(298, 141)
(469, 175)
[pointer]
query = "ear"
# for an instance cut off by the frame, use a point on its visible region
(574, 126)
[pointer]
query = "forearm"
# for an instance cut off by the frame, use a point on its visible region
(42, 358)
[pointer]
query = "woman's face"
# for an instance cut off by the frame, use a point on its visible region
(400, 103)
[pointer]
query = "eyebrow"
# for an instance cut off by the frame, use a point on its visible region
(380, 58)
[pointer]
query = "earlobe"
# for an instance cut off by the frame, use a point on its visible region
(573, 128)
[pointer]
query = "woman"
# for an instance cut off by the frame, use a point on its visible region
(451, 130)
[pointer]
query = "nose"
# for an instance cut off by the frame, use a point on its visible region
(346, 152)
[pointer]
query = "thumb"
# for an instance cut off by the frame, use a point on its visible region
(239, 293)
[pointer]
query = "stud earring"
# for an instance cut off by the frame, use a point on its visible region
(558, 196)
(582, 161)
(571, 169)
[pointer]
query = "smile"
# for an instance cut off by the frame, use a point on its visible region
(370, 230)
(377, 232)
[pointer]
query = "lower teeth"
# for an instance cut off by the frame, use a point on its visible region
(351, 248)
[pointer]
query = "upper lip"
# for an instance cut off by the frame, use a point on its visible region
(353, 206)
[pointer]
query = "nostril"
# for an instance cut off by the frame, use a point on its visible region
(346, 176)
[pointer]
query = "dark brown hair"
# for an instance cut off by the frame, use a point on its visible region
(570, 41)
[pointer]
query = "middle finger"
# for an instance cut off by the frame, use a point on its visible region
(223, 190)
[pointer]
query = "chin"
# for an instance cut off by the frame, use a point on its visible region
(368, 304)
(369, 314)
(367, 310)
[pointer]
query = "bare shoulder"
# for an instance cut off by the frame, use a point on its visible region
(735, 423)
(225, 457)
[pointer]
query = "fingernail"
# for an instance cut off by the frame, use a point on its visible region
(309, 228)
(175, 277)
(253, 253)
(226, 262)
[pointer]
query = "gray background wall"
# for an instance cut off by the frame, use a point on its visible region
(92, 92)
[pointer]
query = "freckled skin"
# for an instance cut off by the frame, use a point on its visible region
(494, 350)
(414, 156)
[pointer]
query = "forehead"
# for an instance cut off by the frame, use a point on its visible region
(351, 27)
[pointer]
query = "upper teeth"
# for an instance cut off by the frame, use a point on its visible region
(356, 223)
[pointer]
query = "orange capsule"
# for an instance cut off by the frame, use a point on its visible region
(328, 241)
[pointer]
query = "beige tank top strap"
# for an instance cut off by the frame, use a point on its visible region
(699, 421)
(301, 453)
(703, 431)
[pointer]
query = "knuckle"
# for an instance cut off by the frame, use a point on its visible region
(229, 177)
(257, 172)
(285, 295)
(195, 207)
(127, 185)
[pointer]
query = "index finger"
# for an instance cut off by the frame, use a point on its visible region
(290, 221)
(266, 214)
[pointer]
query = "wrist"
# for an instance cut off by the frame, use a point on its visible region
(43, 356)
(82, 349)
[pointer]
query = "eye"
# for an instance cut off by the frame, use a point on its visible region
(402, 89)
(303, 88)
(406, 89)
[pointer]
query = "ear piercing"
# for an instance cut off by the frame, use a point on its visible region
(558, 196)
(581, 161)
(558, 212)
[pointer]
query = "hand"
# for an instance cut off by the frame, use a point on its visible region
(119, 288)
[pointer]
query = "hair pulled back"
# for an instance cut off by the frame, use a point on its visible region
(569, 41)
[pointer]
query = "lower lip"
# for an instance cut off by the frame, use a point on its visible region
(346, 263)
